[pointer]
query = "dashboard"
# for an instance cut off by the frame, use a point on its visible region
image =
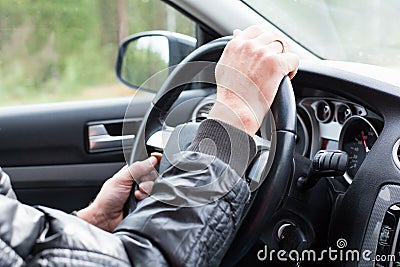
(337, 124)
(326, 123)
(339, 109)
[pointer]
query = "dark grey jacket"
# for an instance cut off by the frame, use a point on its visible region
(190, 220)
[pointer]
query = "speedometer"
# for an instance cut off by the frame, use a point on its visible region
(356, 139)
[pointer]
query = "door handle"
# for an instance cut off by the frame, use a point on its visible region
(100, 140)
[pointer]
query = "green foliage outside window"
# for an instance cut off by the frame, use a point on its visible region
(65, 50)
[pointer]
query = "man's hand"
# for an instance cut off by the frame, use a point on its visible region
(106, 211)
(248, 75)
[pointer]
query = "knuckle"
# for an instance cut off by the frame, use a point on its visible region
(260, 53)
(247, 46)
(238, 46)
(274, 62)
(232, 45)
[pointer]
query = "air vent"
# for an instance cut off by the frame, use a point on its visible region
(202, 110)
(396, 153)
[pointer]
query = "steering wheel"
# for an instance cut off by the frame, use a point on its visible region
(277, 176)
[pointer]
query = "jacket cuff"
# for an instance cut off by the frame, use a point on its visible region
(226, 142)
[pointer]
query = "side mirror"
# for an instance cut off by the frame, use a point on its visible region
(142, 55)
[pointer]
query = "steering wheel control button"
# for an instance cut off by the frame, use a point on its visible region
(388, 235)
(385, 235)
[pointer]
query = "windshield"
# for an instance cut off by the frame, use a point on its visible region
(365, 31)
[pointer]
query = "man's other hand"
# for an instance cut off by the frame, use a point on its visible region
(106, 211)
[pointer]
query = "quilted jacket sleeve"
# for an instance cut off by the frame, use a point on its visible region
(190, 220)
(196, 206)
(47, 237)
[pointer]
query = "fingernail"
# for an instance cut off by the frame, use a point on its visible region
(158, 155)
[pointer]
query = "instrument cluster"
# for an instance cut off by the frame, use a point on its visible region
(338, 124)
(327, 124)
(327, 111)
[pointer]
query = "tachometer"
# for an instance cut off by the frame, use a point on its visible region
(356, 139)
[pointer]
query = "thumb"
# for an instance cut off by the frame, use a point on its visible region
(141, 168)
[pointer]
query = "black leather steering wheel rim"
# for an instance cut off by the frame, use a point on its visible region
(273, 189)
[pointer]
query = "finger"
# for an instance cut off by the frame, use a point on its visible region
(146, 187)
(141, 168)
(139, 195)
(157, 155)
(123, 176)
(250, 32)
(290, 63)
(273, 48)
(292, 74)
(266, 38)
(283, 44)
(236, 32)
(144, 191)
(149, 177)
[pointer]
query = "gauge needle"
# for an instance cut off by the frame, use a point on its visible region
(364, 141)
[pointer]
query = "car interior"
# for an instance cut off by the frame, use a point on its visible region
(334, 134)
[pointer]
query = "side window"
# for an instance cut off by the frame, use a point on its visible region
(53, 51)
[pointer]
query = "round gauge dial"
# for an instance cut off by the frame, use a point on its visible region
(356, 139)
(343, 113)
(323, 111)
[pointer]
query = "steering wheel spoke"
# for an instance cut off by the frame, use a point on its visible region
(158, 140)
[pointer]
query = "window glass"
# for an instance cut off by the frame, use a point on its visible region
(53, 51)
(364, 31)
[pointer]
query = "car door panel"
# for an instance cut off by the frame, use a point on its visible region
(47, 152)
(45, 149)
(68, 187)
(57, 133)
